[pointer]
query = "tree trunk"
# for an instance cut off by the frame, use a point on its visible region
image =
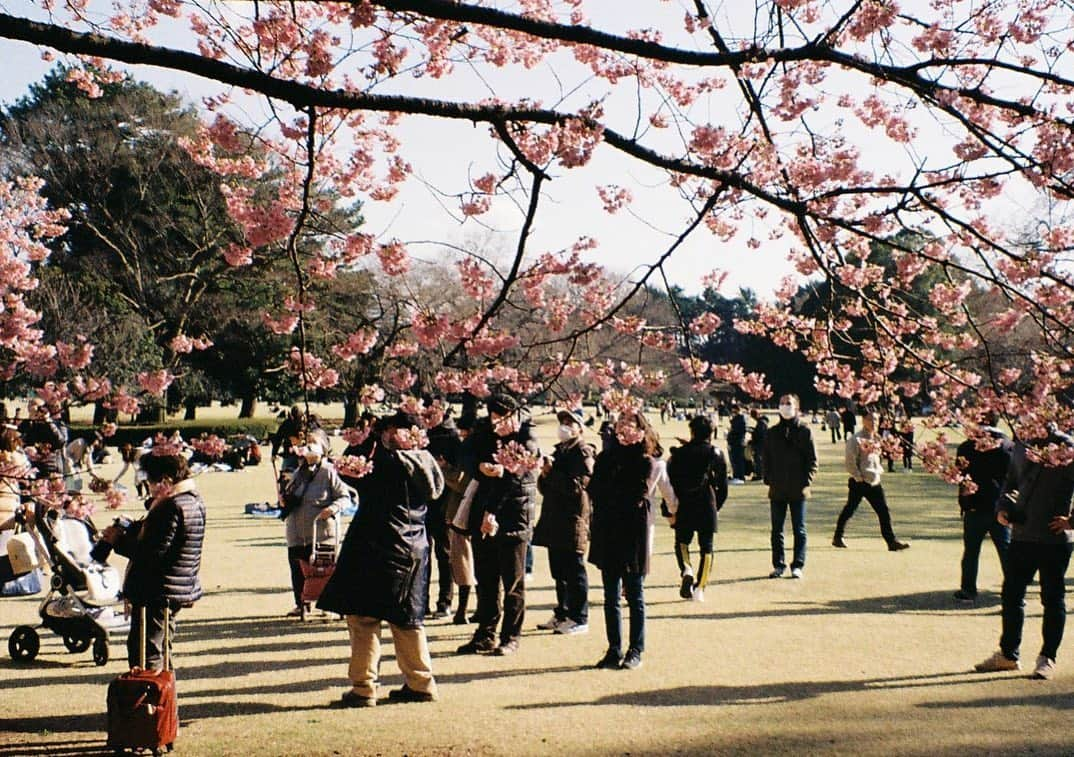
(151, 415)
(191, 409)
(249, 406)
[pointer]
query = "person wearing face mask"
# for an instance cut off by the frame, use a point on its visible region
(865, 468)
(501, 518)
(382, 572)
(164, 549)
(564, 525)
(315, 492)
(790, 465)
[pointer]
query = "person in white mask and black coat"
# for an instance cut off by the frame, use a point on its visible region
(790, 465)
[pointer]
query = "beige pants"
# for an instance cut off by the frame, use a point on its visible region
(461, 555)
(411, 654)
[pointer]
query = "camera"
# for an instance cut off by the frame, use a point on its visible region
(102, 549)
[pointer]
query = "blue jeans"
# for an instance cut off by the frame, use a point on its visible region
(614, 584)
(976, 524)
(1023, 560)
(572, 585)
(779, 516)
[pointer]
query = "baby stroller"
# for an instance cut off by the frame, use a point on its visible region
(322, 563)
(82, 593)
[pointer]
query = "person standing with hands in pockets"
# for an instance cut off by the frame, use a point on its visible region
(790, 465)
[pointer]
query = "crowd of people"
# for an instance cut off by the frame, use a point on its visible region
(467, 500)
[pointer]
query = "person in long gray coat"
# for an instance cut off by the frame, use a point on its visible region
(318, 493)
(381, 574)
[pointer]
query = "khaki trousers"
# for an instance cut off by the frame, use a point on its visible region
(411, 654)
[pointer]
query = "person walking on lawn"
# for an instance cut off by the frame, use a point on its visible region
(863, 463)
(698, 473)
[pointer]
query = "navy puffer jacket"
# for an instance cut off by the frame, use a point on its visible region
(164, 549)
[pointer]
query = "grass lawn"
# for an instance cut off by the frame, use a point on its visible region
(867, 655)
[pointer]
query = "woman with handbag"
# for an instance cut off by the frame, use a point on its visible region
(315, 492)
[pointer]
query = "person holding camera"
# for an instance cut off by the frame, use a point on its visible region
(315, 492)
(164, 549)
(1036, 503)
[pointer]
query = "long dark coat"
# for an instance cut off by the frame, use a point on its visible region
(565, 510)
(622, 510)
(381, 571)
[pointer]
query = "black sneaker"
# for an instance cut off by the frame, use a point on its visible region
(898, 546)
(407, 694)
(506, 648)
(351, 699)
(610, 661)
(459, 619)
(476, 646)
(687, 587)
(839, 542)
(632, 661)
(964, 596)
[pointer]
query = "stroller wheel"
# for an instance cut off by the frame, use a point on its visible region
(76, 644)
(24, 644)
(100, 649)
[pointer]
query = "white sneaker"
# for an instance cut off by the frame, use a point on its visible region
(796, 572)
(998, 662)
(697, 595)
(549, 625)
(736, 481)
(1045, 668)
(570, 628)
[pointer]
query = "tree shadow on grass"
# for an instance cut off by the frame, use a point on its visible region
(97, 722)
(938, 602)
(767, 693)
(65, 748)
(1054, 700)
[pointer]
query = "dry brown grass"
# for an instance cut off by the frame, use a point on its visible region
(867, 655)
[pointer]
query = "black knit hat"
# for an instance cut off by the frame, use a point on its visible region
(501, 404)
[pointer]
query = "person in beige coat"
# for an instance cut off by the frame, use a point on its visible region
(865, 467)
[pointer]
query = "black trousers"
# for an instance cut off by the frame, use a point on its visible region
(294, 554)
(154, 636)
(874, 495)
(500, 568)
(436, 528)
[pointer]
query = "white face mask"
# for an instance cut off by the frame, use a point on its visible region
(787, 412)
(565, 433)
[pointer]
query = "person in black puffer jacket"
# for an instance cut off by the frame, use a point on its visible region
(164, 549)
(501, 519)
(698, 474)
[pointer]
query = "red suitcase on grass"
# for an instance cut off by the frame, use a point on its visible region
(143, 712)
